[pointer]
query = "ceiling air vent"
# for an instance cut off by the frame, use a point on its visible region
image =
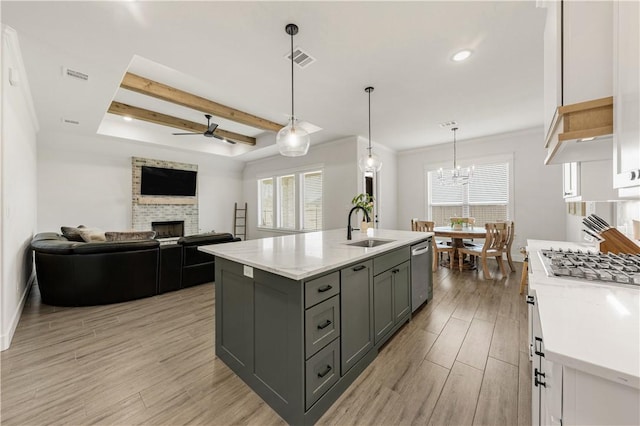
(448, 124)
(300, 57)
(70, 121)
(68, 72)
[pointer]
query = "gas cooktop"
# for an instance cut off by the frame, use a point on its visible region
(609, 268)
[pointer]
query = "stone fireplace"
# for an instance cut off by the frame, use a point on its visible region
(147, 210)
(168, 229)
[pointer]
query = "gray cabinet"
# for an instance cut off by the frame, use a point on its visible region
(356, 313)
(383, 304)
(391, 292)
(401, 291)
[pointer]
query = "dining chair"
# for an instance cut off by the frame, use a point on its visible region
(494, 245)
(439, 247)
(507, 248)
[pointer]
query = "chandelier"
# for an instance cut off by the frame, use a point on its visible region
(458, 175)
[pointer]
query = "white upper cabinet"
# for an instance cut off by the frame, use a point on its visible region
(578, 81)
(587, 60)
(626, 81)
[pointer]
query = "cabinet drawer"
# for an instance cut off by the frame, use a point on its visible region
(315, 291)
(389, 260)
(321, 372)
(322, 325)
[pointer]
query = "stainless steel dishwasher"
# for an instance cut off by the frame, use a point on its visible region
(421, 273)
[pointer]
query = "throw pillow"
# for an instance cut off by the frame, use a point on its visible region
(71, 233)
(129, 235)
(92, 235)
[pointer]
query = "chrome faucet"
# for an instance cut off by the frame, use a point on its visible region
(349, 219)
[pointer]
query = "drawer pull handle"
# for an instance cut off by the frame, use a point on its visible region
(324, 288)
(538, 382)
(535, 347)
(531, 300)
(325, 372)
(326, 324)
(395, 271)
(539, 373)
(359, 268)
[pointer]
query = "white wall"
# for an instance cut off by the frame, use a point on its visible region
(539, 208)
(87, 180)
(18, 200)
(340, 184)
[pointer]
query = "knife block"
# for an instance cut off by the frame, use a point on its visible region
(616, 242)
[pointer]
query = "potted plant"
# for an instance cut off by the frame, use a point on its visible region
(456, 224)
(366, 202)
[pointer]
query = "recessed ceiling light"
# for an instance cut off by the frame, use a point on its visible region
(127, 118)
(461, 55)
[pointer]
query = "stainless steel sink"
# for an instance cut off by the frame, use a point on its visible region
(369, 242)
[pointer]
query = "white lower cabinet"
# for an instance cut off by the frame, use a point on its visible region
(562, 395)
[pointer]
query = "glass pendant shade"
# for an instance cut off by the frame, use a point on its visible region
(293, 140)
(369, 163)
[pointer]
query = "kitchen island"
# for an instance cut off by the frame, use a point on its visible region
(299, 317)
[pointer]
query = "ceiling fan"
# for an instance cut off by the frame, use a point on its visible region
(209, 133)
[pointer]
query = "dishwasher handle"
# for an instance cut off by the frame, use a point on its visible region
(419, 251)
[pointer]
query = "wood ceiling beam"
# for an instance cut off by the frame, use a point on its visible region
(119, 108)
(148, 87)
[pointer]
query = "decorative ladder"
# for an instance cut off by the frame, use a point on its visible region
(240, 222)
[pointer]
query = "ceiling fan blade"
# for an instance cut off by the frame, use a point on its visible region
(183, 134)
(212, 128)
(225, 139)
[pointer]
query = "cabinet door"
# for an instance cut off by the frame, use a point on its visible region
(382, 304)
(401, 291)
(536, 364)
(570, 173)
(356, 313)
(626, 81)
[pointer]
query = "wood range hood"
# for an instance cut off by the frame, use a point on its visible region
(577, 132)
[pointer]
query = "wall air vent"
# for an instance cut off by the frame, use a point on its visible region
(68, 72)
(300, 57)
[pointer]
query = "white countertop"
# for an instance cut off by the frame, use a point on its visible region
(585, 325)
(299, 256)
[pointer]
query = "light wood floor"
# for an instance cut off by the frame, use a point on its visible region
(461, 360)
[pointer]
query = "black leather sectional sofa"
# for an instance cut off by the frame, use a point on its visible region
(73, 273)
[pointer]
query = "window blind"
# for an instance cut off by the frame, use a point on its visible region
(265, 194)
(312, 200)
(287, 201)
(490, 184)
(444, 195)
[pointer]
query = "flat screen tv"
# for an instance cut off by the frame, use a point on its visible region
(161, 181)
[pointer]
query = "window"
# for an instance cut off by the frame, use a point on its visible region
(265, 203)
(486, 198)
(312, 200)
(295, 201)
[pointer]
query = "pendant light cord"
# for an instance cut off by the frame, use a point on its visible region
(292, 110)
(369, 123)
(454, 147)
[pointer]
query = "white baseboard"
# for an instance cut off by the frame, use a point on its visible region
(5, 338)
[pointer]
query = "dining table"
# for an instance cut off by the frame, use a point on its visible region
(457, 236)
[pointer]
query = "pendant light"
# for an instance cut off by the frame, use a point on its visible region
(458, 175)
(369, 162)
(292, 140)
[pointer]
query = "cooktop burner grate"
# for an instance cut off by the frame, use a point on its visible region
(609, 267)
